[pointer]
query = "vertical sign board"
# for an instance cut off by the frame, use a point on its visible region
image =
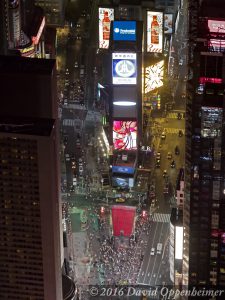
(168, 23)
(154, 31)
(105, 16)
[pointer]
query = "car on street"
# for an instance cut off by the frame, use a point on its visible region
(81, 169)
(177, 150)
(169, 155)
(76, 64)
(67, 156)
(78, 143)
(157, 164)
(73, 164)
(163, 136)
(120, 200)
(74, 181)
(173, 164)
(152, 251)
(165, 174)
(179, 116)
(166, 189)
(159, 248)
(158, 155)
(180, 133)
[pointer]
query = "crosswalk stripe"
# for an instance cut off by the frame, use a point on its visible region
(172, 115)
(165, 218)
(173, 130)
(68, 122)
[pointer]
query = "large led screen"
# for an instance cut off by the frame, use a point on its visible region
(168, 23)
(124, 69)
(125, 135)
(154, 76)
(216, 45)
(122, 169)
(154, 31)
(122, 182)
(124, 31)
(123, 220)
(105, 15)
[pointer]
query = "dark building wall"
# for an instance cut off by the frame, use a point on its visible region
(26, 84)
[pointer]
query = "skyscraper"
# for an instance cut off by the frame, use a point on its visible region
(54, 11)
(204, 205)
(30, 215)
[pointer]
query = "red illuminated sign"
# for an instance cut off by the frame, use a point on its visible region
(123, 218)
(203, 80)
(35, 39)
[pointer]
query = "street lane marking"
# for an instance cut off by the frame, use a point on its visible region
(165, 218)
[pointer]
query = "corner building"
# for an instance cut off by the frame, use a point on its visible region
(30, 215)
(204, 205)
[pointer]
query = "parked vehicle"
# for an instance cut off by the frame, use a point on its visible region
(177, 150)
(152, 251)
(180, 133)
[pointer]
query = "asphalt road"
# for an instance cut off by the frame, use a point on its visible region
(155, 268)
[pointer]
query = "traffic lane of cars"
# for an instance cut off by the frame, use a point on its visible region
(152, 270)
(155, 258)
(144, 270)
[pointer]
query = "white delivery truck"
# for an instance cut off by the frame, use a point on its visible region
(159, 248)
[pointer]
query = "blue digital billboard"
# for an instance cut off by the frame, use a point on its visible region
(122, 182)
(124, 31)
(125, 170)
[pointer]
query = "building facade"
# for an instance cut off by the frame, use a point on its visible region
(30, 214)
(204, 215)
(54, 11)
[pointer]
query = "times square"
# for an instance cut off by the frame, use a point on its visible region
(106, 248)
(112, 160)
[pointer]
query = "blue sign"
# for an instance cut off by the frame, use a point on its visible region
(124, 170)
(124, 31)
(121, 182)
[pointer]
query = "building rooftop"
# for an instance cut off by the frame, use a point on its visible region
(17, 64)
(127, 159)
(29, 126)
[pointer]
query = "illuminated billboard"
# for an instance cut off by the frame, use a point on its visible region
(122, 169)
(168, 23)
(154, 76)
(179, 242)
(122, 182)
(123, 220)
(35, 39)
(217, 26)
(154, 31)
(125, 135)
(124, 31)
(216, 45)
(124, 69)
(105, 16)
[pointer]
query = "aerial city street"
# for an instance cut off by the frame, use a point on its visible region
(87, 196)
(112, 149)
